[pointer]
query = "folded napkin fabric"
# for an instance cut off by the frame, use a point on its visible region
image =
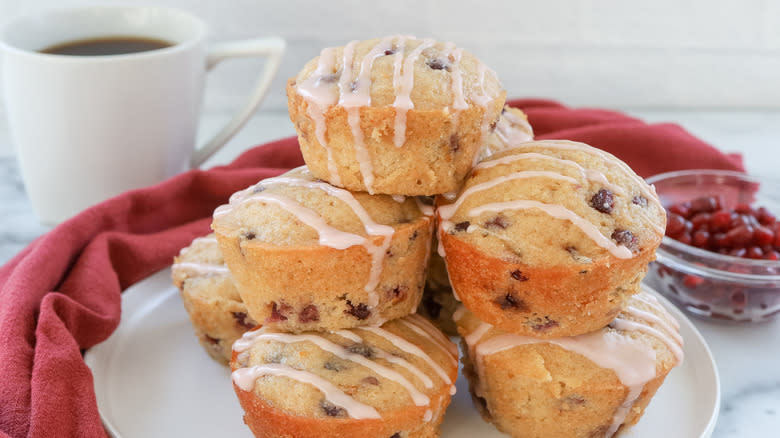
(61, 294)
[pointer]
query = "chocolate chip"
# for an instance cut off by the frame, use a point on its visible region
(361, 349)
(413, 236)
(462, 226)
(640, 201)
(510, 301)
(603, 201)
(249, 235)
(332, 410)
(548, 324)
(454, 143)
(431, 306)
(625, 237)
(438, 64)
(243, 320)
(371, 380)
(518, 275)
(309, 314)
(497, 222)
(277, 312)
(360, 311)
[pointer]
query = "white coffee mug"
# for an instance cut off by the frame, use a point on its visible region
(86, 128)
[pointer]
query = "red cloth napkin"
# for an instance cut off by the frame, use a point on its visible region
(61, 294)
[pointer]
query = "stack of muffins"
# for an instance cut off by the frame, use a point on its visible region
(314, 277)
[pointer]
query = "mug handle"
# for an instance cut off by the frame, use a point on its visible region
(273, 48)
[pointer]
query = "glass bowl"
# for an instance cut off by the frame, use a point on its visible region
(705, 283)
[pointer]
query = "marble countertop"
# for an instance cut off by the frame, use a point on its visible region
(748, 357)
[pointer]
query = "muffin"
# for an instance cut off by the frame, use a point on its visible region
(511, 130)
(306, 255)
(591, 385)
(438, 303)
(216, 311)
(390, 381)
(550, 238)
(397, 115)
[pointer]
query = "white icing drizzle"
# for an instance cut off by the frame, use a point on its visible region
(194, 268)
(359, 95)
(458, 98)
(447, 211)
(372, 228)
(405, 81)
(399, 198)
(205, 240)
(410, 348)
(426, 335)
(558, 212)
(321, 94)
(248, 338)
(589, 174)
(328, 235)
(655, 304)
(381, 354)
(434, 332)
(627, 325)
(647, 191)
(428, 416)
(512, 130)
(245, 379)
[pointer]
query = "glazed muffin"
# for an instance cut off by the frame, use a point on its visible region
(550, 238)
(511, 130)
(216, 311)
(397, 115)
(391, 381)
(592, 385)
(438, 303)
(309, 256)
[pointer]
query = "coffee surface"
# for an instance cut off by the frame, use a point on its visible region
(114, 45)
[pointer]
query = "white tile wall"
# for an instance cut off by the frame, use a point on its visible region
(614, 53)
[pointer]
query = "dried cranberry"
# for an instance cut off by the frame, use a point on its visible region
(309, 314)
(754, 252)
(361, 311)
(700, 220)
(705, 204)
(625, 238)
(763, 236)
(518, 275)
(510, 301)
(640, 201)
(675, 225)
(332, 410)
(462, 226)
(438, 64)
(720, 220)
(683, 209)
(603, 201)
(765, 217)
(243, 320)
(701, 238)
(685, 238)
(740, 236)
(545, 326)
(497, 222)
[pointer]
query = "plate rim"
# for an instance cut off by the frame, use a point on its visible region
(140, 295)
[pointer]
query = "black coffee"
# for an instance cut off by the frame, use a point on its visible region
(115, 45)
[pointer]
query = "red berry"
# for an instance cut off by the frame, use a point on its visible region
(700, 220)
(743, 209)
(700, 238)
(777, 237)
(765, 217)
(740, 236)
(692, 281)
(720, 220)
(754, 252)
(763, 236)
(675, 225)
(685, 238)
(705, 204)
(682, 209)
(719, 241)
(771, 255)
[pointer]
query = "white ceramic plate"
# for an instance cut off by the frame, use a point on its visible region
(153, 379)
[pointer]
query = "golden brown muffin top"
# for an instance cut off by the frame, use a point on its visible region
(358, 373)
(554, 202)
(296, 209)
(398, 71)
